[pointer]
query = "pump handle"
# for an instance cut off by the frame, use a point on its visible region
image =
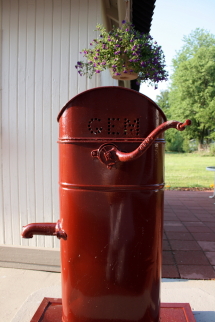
(109, 154)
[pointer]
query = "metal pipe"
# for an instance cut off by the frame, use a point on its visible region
(47, 229)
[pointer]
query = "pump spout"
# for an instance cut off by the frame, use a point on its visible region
(110, 155)
(48, 229)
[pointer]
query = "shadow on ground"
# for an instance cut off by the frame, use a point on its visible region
(204, 316)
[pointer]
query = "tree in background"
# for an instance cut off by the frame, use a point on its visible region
(192, 91)
(174, 139)
(163, 102)
(196, 39)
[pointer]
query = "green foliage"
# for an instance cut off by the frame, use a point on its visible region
(189, 146)
(163, 102)
(192, 93)
(174, 141)
(212, 149)
(196, 39)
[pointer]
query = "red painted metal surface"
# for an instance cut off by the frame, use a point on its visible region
(50, 310)
(176, 312)
(112, 215)
(111, 261)
(48, 229)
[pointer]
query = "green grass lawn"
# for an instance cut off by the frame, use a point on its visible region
(188, 170)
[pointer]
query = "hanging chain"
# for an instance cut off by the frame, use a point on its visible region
(126, 13)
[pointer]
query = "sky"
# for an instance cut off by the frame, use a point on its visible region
(172, 19)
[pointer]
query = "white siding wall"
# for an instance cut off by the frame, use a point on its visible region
(40, 44)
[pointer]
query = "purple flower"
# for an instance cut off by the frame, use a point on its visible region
(103, 63)
(117, 74)
(123, 21)
(97, 71)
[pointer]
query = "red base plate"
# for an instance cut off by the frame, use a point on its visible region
(50, 310)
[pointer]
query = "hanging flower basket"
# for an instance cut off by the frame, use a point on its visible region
(129, 54)
(127, 74)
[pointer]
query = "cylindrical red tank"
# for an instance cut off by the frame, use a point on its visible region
(111, 153)
(113, 215)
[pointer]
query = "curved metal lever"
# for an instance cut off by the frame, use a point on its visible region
(47, 229)
(110, 155)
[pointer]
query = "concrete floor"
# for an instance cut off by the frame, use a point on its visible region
(21, 292)
(25, 288)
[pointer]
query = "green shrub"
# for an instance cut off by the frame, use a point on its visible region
(174, 141)
(189, 145)
(212, 149)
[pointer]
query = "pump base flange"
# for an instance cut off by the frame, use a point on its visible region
(50, 310)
